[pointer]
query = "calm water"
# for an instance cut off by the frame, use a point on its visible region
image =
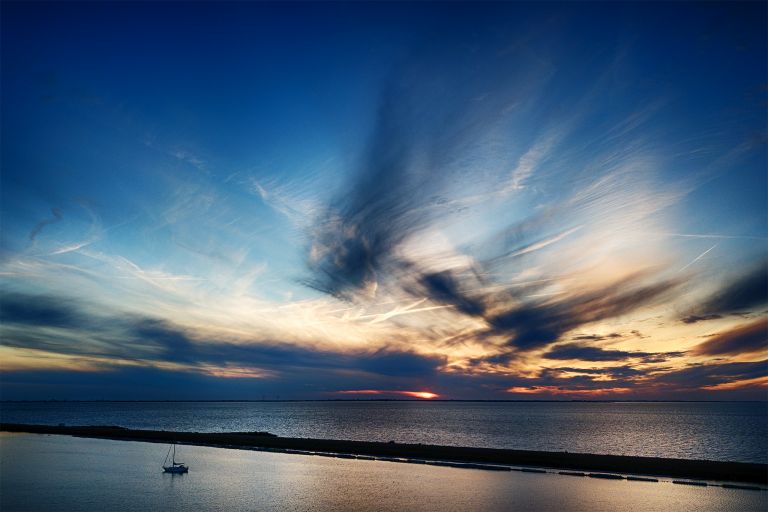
(715, 431)
(63, 473)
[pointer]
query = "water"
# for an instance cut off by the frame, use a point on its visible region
(734, 431)
(63, 473)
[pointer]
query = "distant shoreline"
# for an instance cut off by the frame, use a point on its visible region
(743, 472)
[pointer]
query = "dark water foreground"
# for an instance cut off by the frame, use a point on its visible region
(75, 474)
(751, 473)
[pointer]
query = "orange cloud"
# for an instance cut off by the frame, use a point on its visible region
(236, 372)
(744, 339)
(758, 382)
(555, 390)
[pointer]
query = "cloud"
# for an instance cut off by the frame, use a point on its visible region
(531, 324)
(615, 372)
(402, 364)
(572, 391)
(745, 339)
(588, 353)
(747, 291)
(663, 357)
(692, 319)
(360, 246)
(432, 118)
(595, 337)
(116, 351)
(544, 232)
(443, 288)
(38, 310)
(146, 341)
(129, 383)
(176, 345)
(356, 237)
(696, 377)
(536, 324)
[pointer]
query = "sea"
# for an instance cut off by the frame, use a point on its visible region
(727, 431)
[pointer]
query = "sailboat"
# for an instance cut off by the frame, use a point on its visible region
(175, 467)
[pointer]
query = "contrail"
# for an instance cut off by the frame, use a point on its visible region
(706, 235)
(697, 258)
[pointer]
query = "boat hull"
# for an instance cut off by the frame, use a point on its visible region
(175, 469)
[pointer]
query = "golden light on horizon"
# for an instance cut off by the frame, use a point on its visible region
(424, 395)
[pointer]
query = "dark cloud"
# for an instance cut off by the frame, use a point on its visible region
(118, 384)
(434, 110)
(616, 372)
(531, 325)
(583, 352)
(176, 345)
(443, 288)
(596, 337)
(663, 357)
(591, 371)
(625, 372)
(294, 371)
(403, 364)
(151, 340)
(744, 339)
(432, 113)
(41, 310)
(692, 319)
(384, 206)
(535, 325)
(694, 377)
(503, 358)
(374, 217)
(747, 291)
(146, 383)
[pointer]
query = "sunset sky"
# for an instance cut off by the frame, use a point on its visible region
(319, 201)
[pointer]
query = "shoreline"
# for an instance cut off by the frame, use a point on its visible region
(721, 471)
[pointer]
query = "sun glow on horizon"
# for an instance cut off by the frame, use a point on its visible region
(424, 395)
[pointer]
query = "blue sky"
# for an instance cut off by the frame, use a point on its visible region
(346, 200)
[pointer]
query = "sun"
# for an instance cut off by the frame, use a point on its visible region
(426, 395)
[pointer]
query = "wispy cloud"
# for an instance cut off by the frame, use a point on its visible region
(57, 216)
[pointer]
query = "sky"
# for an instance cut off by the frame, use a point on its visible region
(384, 200)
